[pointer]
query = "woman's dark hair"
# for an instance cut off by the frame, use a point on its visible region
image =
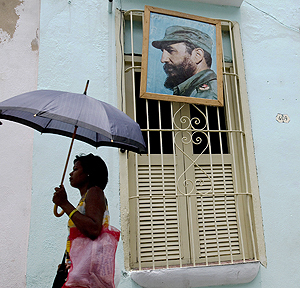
(96, 169)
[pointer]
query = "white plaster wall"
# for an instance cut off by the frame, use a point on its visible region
(19, 43)
(77, 43)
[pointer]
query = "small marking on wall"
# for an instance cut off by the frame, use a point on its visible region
(35, 42)
(282, 118)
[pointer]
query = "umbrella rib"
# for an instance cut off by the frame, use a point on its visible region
(81, 107)
(42, 110)
(46, 126)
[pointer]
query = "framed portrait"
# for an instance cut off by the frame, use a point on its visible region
(182, 58)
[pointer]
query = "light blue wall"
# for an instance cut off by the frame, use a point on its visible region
(77, 43)
(271, 52)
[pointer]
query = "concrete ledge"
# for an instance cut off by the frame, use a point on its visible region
(188, 277)
(236, 3)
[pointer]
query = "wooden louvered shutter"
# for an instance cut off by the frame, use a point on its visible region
(159, 240)
(217, 216)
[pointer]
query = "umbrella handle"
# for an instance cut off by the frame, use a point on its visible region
(64, 173)
(56, 213)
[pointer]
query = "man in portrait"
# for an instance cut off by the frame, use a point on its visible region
(186, 55)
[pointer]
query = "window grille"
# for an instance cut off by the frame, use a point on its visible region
(193, 198)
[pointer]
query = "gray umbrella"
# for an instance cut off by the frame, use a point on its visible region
(74, 115)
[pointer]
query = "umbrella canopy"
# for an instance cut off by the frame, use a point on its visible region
(58, 112)
(74, 115)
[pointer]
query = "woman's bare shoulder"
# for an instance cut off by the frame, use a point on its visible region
(95, 193)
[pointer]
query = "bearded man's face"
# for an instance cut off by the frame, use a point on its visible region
(178, 64)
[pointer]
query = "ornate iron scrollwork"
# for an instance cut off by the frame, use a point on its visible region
(190, 131)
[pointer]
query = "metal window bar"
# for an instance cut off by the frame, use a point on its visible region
(193, 252)
(225, 189)
(223, 169)
(213, 193)
(242, 139)
(244, 156)
(231, 140)
(204, 233)
(150, 182)
(150, 188)
(175, 175)
(229, 117)
(134, 115)
(163, 183)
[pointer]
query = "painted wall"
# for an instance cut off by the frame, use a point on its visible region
(77, 43)
(271, 52)
(19, 47)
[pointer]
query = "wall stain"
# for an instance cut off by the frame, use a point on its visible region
(35, 42)
(9, 17)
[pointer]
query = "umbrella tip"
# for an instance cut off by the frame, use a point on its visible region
(86, 87)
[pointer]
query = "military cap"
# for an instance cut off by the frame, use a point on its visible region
(176, 34)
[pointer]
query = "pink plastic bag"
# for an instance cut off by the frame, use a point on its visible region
(93, 261)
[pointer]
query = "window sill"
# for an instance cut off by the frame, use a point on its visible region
(197, 276)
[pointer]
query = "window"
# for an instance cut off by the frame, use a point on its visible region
(193, 200)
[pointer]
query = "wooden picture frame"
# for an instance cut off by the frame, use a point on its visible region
(164, 34)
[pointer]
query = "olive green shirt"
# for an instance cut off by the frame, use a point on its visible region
(200, 85)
